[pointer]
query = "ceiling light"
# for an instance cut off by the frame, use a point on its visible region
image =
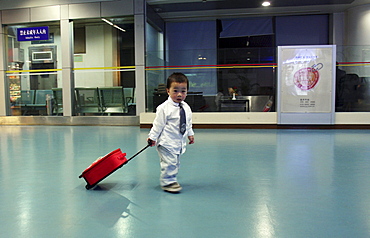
(119, 28)
(110, 23)
(266, 4)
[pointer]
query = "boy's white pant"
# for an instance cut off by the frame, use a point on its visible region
(170, 164)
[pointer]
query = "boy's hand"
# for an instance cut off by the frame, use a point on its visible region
(191, 139)
(150, 142)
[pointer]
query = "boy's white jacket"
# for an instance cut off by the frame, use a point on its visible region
(166, 126)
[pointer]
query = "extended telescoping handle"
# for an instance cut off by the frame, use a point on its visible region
(148, 145)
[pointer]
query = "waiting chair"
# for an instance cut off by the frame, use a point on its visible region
(88, 100)
(27, 98)
(58, 100)
(112, 100)
(130, 100)
(40, 99)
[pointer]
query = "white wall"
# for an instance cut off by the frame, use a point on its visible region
(339, 28)
(358, 25)
(99, 52)
(357, 37)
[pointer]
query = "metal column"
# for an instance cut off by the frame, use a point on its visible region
(66, 28)
(4, 86)
(139, 18)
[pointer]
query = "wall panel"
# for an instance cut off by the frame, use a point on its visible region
(16, 16)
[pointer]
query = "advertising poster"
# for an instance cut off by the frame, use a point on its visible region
(306, 79)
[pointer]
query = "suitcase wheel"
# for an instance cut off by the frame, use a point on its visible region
(88, 186)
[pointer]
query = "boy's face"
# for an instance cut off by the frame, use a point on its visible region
(177, 91)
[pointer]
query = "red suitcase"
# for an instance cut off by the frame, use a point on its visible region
(105, 166)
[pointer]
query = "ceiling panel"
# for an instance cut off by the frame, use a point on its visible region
(171, 10)
(200, 5)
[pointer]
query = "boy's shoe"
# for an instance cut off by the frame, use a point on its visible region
(172, 188)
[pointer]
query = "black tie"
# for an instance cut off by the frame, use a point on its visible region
(182, 120)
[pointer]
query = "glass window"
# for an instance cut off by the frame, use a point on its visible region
(33, 59)
(352, 79)
(154, 57)
(233, 74)
(193, 54)
(104, 66)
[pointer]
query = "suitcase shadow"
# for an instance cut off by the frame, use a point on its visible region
(108, 205)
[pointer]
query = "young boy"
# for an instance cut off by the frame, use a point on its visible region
(167, 133)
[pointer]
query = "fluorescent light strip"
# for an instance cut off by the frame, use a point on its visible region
(119, 28)
(110, 23)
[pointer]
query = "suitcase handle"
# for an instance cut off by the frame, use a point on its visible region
(148, 145)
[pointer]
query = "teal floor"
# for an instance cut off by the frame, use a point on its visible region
(236, 183)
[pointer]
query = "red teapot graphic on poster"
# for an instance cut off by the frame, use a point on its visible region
(307, 78)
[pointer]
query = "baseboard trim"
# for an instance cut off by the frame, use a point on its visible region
(269, 126)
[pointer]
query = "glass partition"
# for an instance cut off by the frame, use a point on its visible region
(104, 66)
(244, 79)
(352, 79)
(34, 68)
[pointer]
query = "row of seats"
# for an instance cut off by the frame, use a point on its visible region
(96, 100)
(33, 100)
(102, 100)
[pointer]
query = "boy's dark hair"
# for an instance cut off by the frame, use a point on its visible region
(178, 78)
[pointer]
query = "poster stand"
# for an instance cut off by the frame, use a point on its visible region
(306, 84)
